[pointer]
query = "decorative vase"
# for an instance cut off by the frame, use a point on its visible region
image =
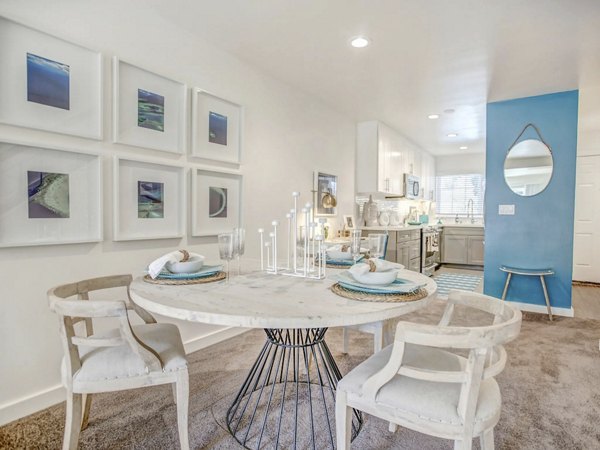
(370, 213)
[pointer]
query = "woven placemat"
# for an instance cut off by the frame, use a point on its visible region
(175, 282)
(369, 297)
(337, 266)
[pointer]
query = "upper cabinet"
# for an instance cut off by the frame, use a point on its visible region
(383, 157)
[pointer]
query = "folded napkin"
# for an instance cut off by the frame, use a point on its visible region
(381, 265)
(156, 266)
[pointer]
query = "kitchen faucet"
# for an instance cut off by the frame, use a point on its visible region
(471, 213)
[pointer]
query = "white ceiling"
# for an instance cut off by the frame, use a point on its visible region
(426, 55)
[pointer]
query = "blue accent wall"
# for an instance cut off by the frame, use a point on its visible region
(540, 234)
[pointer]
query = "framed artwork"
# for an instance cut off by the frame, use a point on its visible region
(48, 83)
(325, 188)
(216, 128)
(216, 202)
(49, 196)
(149, 109)
(149, 200)
(349, 222)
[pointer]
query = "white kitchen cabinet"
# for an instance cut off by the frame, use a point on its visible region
(427, 174)
(383, 156)
(475, 250)
(463, 245)
(454, 249)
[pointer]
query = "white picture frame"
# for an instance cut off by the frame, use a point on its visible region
(217, 128)
(50, 196)
(349, 222)
(132, 218)
(149, 110)
(49, 84)
(210, 217)
(322, 183)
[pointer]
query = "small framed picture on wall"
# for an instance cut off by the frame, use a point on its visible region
(216, 128)
(325, 189)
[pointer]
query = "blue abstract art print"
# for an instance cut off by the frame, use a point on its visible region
(151, 110)
(47, 82)
(217, 128)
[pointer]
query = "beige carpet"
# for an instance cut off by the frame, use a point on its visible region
(550, 389)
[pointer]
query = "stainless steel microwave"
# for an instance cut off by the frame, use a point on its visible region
(412, 186)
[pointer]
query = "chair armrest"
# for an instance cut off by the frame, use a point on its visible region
(141, 312)
(453, 336)
(89, 308)
(376, 381)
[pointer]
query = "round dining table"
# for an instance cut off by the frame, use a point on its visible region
(288, 396)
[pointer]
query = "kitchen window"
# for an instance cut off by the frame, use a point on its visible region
(452, 193)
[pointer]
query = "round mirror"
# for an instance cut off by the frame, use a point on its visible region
(528, 167)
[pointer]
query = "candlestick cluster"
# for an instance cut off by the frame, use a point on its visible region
(305, 243)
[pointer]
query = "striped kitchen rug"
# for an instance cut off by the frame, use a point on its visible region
(447, 281)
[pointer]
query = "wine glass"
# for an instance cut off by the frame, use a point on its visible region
(377, 245)
(355, 244)
(239, 245)
(226, 251)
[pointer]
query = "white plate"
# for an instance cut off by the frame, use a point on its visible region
(400, 285)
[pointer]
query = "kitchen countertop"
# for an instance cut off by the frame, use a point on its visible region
(418, 227)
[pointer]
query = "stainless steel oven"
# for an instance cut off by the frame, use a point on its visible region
(430, 250)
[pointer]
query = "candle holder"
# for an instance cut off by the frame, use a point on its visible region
(308, 237)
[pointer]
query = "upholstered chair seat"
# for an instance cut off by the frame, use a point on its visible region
(99, 364)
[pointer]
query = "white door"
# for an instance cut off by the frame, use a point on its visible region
(586, 245)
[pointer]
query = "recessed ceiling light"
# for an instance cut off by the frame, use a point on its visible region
(433, 116)
(464, 147)
(452, 134)
(359, 42)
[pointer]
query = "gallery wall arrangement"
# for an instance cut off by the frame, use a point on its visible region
(149, 200)
(149, 110)
(49, 196)
(49, 84)
(216, 202)
(216, 127)
(54, 196)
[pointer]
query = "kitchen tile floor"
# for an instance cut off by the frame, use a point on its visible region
(586, 299)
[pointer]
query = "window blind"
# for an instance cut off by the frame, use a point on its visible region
(452, 193)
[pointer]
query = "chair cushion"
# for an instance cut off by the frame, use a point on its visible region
(427, 400)
(104, 363)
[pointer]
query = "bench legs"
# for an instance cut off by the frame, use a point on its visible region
(508, 276)
(542, 280)
(546, 296)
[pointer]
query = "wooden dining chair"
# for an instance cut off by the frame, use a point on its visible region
(126, 357)
(420, 383)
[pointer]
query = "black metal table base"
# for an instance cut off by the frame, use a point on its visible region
(288, 397)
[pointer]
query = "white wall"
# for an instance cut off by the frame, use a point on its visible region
(287, 135)
(460, 164)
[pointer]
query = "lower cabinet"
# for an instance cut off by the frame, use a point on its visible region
(475, 250)
(463, 245)
(404, 247)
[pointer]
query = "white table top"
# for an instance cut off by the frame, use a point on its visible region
(260, 300)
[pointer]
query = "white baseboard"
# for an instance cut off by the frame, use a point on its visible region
(566, 312)
(33, 403)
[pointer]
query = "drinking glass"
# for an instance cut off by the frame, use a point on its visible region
(377, 245)
(226, 249)
(239, 245)
(355, 244)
